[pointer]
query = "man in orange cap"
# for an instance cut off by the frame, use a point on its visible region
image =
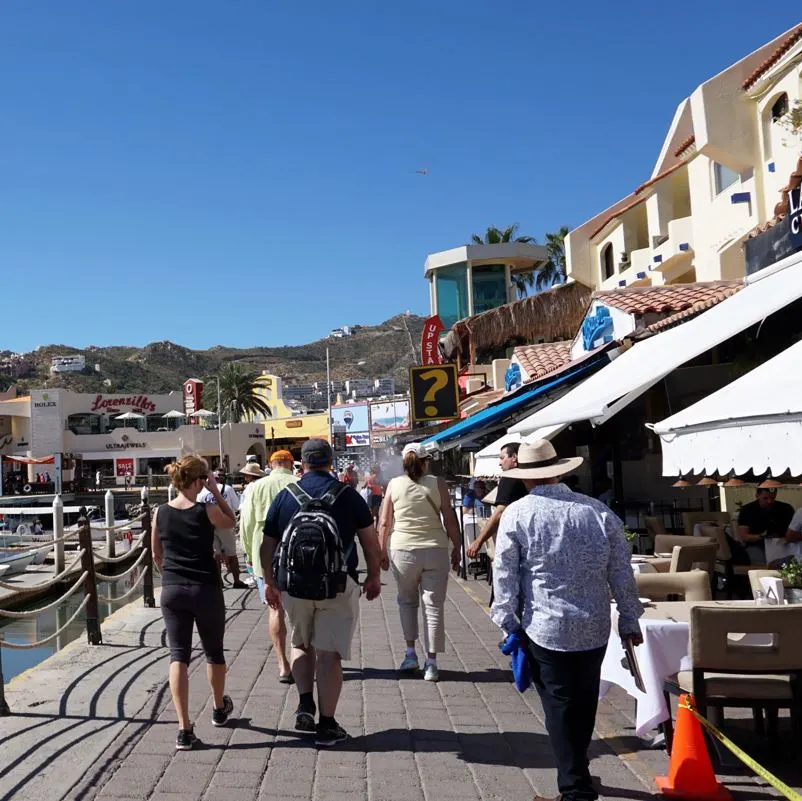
(252, 521)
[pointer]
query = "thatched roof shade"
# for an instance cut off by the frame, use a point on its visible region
(548, 316)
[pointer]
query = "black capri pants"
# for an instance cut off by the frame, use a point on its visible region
(185, 605)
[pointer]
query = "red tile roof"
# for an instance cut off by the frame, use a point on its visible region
(766, 65)
(640, 189)
(667, 299)
(685, 145)
(618, 213)
(539, 360)
(660, 176)
(687, 314)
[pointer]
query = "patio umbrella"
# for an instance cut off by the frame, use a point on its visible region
(130, 416)
(173, 414)
(203, 413)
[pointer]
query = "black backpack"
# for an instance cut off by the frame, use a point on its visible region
(311, 563)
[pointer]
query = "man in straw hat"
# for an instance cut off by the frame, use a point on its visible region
(251, 526)
(558, 556)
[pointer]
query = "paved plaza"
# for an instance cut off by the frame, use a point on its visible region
(96, 723)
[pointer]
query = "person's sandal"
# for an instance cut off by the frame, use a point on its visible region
(288, 679)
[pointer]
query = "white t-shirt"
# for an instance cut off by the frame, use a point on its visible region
(796, 521)
(227, 492)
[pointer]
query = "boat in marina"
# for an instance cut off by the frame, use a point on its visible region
(18, 561)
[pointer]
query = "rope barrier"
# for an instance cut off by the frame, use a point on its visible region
(45, 584)
(130, 592)
(118, 527)
(776, 783)
(113, 560)
(103, 577)
(16, 646)
(33, 612)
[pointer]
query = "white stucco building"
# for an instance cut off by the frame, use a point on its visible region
(727, 155)
(85, 431)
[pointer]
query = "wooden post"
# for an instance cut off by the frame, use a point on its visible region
(147, 562)
(90, 584)
(4, 709)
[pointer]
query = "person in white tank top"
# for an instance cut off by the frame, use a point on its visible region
(418, 518)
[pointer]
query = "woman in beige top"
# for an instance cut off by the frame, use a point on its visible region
(415, 507)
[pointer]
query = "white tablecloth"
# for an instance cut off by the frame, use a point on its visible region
(664, 652)
(778, 548)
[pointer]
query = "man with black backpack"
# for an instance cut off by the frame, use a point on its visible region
(310, 563)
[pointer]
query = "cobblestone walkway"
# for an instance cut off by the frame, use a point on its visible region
(96, 723)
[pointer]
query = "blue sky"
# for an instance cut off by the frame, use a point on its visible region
(223, 171)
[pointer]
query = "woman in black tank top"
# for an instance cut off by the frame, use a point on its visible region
(183, 549)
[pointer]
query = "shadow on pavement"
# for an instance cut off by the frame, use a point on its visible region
(491, 676)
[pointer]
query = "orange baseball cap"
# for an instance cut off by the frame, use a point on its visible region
(281, 456)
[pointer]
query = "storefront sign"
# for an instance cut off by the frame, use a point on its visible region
(125, 467)
(124, 446)
(795, 216)
(258, 434)
(135, 403)
(294, 424)
(193, 396)
(430, 341)
(357, 440)
(434, 393)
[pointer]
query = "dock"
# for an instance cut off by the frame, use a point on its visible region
(96, 723)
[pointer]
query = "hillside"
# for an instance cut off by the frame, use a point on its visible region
(380, 351)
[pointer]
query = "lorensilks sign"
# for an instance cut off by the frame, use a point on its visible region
(795, 216)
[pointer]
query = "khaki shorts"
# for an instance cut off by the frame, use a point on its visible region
(325, 625)
(225, 542)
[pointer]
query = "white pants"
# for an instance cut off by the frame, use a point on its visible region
(422, 576)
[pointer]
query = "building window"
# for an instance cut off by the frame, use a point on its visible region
(489, 287)
(452, 294)
(607, 265)
(780, 107)
(723, 177)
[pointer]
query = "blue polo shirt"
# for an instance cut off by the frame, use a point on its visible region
(351, 513)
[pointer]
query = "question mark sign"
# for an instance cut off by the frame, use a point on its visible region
(439, 380)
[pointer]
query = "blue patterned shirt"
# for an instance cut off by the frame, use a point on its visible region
(558, 556)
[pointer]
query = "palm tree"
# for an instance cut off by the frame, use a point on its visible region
(495, 236)
(238, 393)
(553, 272)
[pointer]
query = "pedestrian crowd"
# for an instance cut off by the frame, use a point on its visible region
(559, 557)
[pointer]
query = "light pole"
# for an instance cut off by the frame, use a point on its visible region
(328, 395)
(216, 378)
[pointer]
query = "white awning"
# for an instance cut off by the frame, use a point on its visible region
(754, 423)
(634, 371)
(486, 464)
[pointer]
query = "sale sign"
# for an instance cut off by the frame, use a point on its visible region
(125, 467)
(430, 341)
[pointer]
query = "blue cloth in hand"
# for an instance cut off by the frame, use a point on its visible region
(514, 646)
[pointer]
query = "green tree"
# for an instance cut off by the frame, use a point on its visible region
(238, 394)
(496, 236)
(554, 271)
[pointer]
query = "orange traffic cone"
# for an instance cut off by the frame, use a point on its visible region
(690, 772)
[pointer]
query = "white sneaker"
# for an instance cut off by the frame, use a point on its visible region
(409, 664)
(430, 672)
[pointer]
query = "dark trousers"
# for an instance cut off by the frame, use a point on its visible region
(568, 683)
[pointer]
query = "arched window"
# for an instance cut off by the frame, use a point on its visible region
(780, 107)
(607, 266)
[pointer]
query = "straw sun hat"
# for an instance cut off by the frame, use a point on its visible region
(539, 460)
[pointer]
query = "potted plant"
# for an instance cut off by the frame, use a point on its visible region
(791, 573)
(632, 537)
